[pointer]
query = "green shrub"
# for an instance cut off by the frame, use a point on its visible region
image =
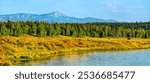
(24, 57)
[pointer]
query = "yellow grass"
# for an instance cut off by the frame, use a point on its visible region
(28, 47)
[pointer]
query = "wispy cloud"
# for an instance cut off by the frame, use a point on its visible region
(113, 6)
(120, 7)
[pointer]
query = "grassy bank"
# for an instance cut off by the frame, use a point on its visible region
(29, 47)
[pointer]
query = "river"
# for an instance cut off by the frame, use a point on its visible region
(94, 58)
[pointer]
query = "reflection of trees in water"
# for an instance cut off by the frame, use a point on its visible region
(69, 58)
(28, 62)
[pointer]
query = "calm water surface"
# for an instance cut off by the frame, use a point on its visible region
(96, 58)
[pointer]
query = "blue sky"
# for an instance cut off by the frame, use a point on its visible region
(121, 10)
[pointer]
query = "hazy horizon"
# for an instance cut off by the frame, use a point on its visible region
(120, 10)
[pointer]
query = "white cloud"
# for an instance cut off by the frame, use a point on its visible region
(113, 6)
(120, 7)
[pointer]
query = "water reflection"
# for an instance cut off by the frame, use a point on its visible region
(94, 58)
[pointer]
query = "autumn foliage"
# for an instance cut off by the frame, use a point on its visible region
(29, 47)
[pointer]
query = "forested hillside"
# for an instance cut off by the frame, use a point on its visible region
(44, 29)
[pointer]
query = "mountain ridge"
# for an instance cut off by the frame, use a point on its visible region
(54, 17)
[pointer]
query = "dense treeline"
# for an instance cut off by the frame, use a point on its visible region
(43, 29)
(144, 25)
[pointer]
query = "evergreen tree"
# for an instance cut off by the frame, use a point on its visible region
(3, 30)
(41, 32)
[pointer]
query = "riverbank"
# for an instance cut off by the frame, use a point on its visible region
(29, 47)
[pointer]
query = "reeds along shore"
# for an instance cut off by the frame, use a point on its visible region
(29, 47)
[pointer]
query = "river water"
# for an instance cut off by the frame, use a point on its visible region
(94, 58)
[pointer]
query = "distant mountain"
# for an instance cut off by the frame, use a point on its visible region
(50, 17)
